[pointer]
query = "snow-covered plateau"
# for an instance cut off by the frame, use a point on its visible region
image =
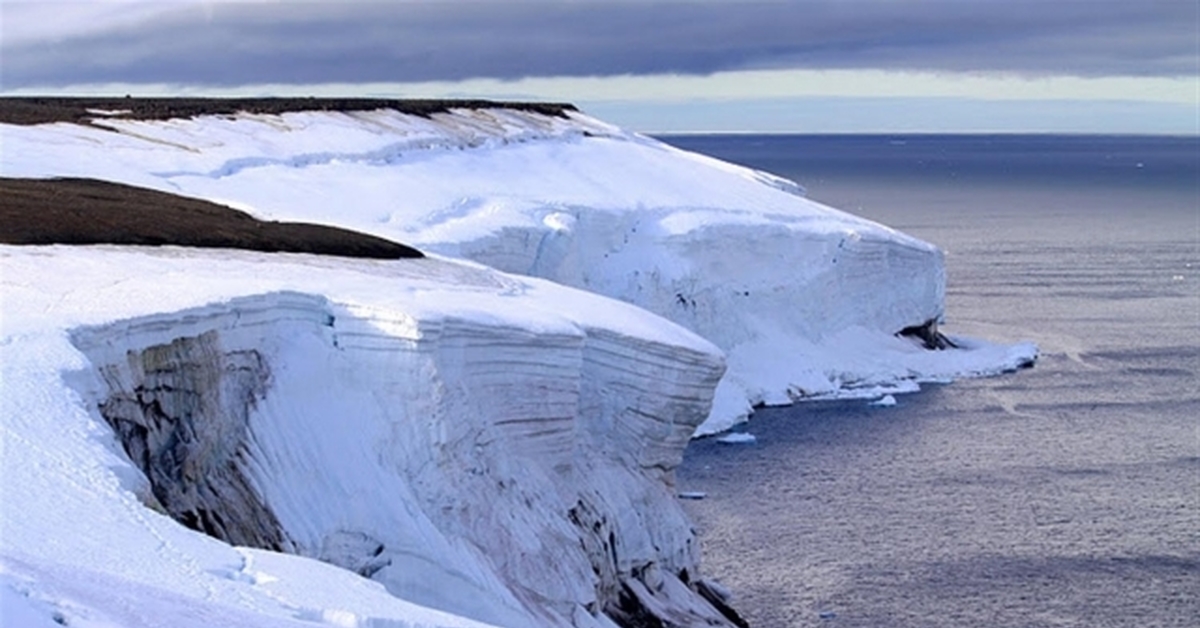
(804, 299)
(467, 439)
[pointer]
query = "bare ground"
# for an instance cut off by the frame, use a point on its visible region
(44, 110)
(88, 211)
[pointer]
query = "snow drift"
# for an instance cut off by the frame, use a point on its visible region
(804, 299)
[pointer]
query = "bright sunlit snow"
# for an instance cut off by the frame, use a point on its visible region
(427, 421)
(495, 447)
(803, 298)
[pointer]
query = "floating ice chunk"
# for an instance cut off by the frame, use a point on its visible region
(885, 401)
(737, 438)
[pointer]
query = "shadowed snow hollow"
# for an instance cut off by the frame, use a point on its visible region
(804, 299)
(499, 448)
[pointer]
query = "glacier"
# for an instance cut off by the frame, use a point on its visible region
(497, 448)
(484, 437)
(804, 299)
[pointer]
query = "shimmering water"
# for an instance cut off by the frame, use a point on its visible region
(1065, 495)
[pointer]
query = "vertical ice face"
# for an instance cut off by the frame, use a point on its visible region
(182, 412)
(496, 446)
(515, 475)
(802, 297)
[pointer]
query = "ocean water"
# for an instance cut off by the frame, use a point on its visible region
(1063, 495)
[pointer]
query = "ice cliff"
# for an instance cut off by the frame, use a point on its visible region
(804, 299)
(498, 448)
(428, 441)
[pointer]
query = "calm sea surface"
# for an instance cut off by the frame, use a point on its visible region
(1064, 495)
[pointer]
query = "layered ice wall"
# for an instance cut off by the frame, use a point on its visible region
(498, 448)
(804, 299)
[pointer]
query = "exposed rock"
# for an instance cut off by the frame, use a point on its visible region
(719, 598)
(929, 335)
(181, 411)
(48, 109)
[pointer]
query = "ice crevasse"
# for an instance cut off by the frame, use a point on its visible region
(805, 300)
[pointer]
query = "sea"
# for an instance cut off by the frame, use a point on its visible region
(1067, 494)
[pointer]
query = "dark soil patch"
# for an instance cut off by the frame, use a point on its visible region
(44, 110)
(88, 211)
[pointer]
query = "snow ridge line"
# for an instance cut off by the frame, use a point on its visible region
(387, 155)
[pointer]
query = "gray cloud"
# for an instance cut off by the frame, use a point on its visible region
(244, 44)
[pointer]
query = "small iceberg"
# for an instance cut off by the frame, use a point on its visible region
(885, 401)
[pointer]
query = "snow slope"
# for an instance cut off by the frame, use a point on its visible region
(498, 448)
(804, 299)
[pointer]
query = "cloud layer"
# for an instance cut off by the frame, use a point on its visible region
(233, 44)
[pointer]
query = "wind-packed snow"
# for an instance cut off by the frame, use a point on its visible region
(468, 439)
(804, 299)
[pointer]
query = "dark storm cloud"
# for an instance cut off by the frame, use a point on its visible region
(242, 44)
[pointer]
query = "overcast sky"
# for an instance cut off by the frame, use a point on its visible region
(806, 65)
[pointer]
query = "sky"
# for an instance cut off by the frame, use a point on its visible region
(824, 66)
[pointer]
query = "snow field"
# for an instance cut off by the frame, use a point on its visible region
(496, 447)
(802, 297)
(429, 423)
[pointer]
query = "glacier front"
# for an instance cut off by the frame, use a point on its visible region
(500, 449)
(426, 441)
(804, 299)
